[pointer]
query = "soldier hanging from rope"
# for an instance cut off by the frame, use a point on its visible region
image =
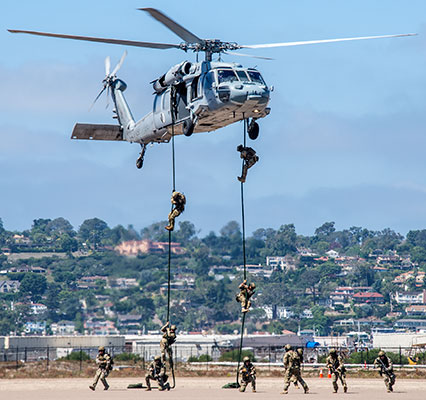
(178, 200)
(250, 158)
(243, 297)
(169, 338)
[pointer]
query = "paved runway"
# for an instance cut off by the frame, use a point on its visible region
(203, 388)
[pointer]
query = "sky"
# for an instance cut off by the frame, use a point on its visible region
(345, 140)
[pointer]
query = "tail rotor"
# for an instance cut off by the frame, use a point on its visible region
(109, 77)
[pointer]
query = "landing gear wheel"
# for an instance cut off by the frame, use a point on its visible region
(139, 161)
(188, 127)
(253, 130)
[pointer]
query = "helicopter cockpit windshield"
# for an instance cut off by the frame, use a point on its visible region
(230, 75)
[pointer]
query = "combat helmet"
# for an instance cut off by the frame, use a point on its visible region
(173, 328)
(157, 358)
(252, 285)
(381, 353)
(287, 347)
(246, 359)
(300, 351)
(101, 348)
(333, 351)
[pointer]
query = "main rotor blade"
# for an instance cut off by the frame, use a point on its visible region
(173, 26)
(102, 40)
(287, 44)
(247, 55)
(120, 63)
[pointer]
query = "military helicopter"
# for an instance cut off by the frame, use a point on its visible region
(191, 96)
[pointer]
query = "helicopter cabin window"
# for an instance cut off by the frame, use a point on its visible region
(226, 75)
(243, 76)
(195, 92)
(256, 77)
(157, 102)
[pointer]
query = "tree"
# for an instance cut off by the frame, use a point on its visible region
(283, 242)
(33, 285)
(231, 229)
(310, 279)
(60, 226)
(93, 231)
(326, 229)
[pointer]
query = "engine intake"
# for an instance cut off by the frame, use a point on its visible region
(172, 76)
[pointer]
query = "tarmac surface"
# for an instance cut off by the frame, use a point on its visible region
(203, 388)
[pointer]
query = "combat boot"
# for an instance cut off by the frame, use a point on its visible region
(345, 389)
(285, 391)
(91, 387)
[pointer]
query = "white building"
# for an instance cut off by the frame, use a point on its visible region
(410, 297)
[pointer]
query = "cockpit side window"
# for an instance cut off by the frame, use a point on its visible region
(226, 75)
(243, 76)
(256, 77)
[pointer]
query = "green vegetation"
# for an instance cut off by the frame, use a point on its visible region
(232, 355)
(87, 283)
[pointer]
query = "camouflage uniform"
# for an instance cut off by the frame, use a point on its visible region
(386, 369)
(178, 200)
(337, 369)
(243, 297)
(292, 362)
(293, 378)
(169, 337)
(248, 375)
(104, 363)
(250, 158)
(157, 372)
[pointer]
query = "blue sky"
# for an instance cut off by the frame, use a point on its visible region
(345, 140)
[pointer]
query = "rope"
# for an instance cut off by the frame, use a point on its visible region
(243, 225)
(173, 110)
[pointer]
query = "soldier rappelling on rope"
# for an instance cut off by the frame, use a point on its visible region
(250, 158)
(243, 297)
(169, 338)
(178, 201)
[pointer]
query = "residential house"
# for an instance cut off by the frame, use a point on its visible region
(9, 286)
(135, 247)
(368, 298)
(416, 310)
(410, 297)
(63, 328)
(37, 308)
(35, 328)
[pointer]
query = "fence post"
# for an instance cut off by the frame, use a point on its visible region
(81, 360)
(367, 359)
(269, 358)
(17, 357)
(25, 354)
(400, 357)
(47, 358)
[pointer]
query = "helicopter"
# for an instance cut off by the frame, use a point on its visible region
(191, 97)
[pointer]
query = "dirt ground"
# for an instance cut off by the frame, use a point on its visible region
(201, 388)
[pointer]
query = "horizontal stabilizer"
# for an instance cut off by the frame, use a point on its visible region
(97, 132)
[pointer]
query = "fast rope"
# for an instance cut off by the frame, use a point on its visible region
(243, 225)
(173, 110)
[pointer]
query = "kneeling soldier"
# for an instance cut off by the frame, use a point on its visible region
(104, 363)
(248, 375)
(386, 368)
(337, 369)
(157, 372)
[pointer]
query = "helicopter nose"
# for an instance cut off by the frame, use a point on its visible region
(255, 94)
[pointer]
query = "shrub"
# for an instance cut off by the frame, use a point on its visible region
(233, 355)
(76, 356)
(127, 357)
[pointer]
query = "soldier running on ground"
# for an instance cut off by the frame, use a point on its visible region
(157, 372)
(337, 369)
(243, 297)
(292, 363)
(104, 363)
(169, 337)
(178, 200)
(299, 351)
(248, 375)
(250, 158)
(386, 368)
